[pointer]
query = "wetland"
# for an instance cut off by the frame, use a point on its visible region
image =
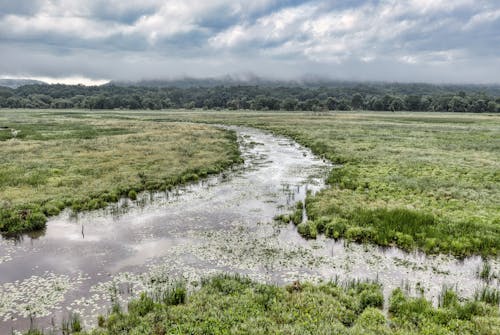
(216, 234)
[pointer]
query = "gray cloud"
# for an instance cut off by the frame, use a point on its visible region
(411, 40)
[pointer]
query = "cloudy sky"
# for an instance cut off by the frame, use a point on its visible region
(391, 40)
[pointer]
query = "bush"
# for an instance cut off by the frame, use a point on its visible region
(321, 224)
(132, 194)
(298, 214)
(307, 230)
(371, 298)
(359, 234)
(50, 209)
(36, 221)
(404, 241)
(371, 321)
(336, 227)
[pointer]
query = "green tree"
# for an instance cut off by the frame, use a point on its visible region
(397, 104)
(458, 105)
(413, 102)
(357, 101)
(331, 103)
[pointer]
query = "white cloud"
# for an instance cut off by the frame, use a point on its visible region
(77, 27)
(72, 80)
(204, 36)
(277, 26)
(484, 17)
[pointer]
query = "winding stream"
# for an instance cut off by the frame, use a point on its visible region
(222, 224)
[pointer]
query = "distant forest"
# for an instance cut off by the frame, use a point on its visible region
(305, 97)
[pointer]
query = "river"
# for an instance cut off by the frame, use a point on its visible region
(222, 224)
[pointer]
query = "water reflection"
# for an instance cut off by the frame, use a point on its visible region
(223, 223)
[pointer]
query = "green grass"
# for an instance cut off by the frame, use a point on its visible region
(87, 161)
(227, 304)
(427, 181)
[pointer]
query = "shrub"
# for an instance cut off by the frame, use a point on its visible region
(132, 194)
(371, 298)
(359, 234)
(321, 224)
(404, 241)
(371, 321)
(36, 221)
(298, 214)
(307, 230)
(101, 321)
(51, 210)
(336, 227)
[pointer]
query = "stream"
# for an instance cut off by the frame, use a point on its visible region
(84, 261)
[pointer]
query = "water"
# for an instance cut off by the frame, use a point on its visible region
(222, 224)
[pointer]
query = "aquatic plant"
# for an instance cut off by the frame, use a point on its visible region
(488, 294)
(485, 273)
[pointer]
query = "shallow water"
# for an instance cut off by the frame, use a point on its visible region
(222, 224)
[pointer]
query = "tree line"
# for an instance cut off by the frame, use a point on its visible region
(376, 97)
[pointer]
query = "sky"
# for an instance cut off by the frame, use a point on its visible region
(93, 41)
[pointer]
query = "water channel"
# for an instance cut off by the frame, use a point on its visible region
(222, 224)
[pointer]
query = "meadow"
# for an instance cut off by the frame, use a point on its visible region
(428, 181)
(51, 161)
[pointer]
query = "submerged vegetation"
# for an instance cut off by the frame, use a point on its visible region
(59, 161)
(228, 304)
(426, 181)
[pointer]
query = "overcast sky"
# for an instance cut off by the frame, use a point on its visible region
(392, 40)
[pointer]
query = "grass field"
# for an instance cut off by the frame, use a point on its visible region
(53, 160)
(235, 305)
(416, 180)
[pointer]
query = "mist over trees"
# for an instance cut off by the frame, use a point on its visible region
(333, 96)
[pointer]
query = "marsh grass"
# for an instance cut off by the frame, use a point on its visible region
(425, 181)
(87, 161)
(71, 325)
(488, 295)
(485, 272)
(233, 304)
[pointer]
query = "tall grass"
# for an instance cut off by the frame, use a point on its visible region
(232, 304)
(86, 162)
(489, 295)
(424, 181)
